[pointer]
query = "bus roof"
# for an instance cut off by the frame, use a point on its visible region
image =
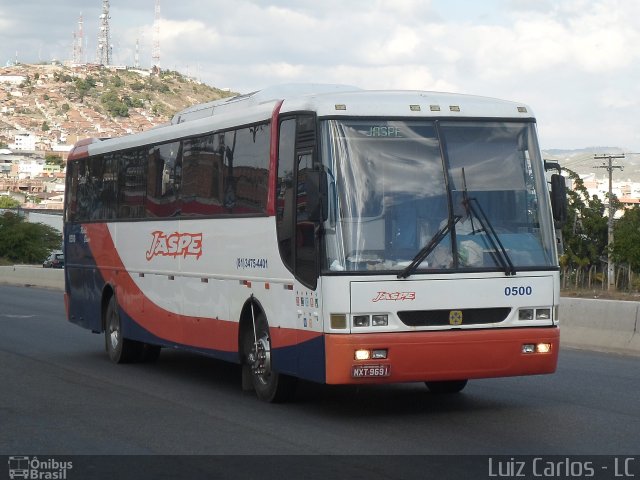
(327, 100)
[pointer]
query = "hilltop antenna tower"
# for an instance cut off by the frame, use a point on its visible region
(136, 57)
(78, 42)
(155, 54)
(104, 40)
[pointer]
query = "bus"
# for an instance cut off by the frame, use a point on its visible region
(324, 233)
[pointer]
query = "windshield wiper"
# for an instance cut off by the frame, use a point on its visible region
(429, 247)
(500, 253)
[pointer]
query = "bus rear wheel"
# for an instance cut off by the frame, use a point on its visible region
(120, 349)
(270, 386)
(448, 386)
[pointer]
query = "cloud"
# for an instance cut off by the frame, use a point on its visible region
(571, 60)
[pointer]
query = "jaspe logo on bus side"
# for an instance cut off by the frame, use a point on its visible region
(175, 245)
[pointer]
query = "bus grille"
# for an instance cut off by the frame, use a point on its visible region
(438, 318)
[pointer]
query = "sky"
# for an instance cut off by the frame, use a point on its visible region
(576, 63)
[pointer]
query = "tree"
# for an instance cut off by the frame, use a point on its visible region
(626, 234)
(585, 233)
(8, 202)
(53, 159)
(83, 86)
(21, 241)
(114, 105)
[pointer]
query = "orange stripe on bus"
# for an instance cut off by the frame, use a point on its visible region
(201, 332)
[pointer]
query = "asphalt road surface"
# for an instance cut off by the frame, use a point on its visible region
(61, 396)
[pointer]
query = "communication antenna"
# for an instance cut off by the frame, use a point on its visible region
(136, 58)
(78, 42)
(155, 54)
(104, 41)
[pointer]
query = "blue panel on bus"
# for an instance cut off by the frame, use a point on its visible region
(83, 281)
(309, 357)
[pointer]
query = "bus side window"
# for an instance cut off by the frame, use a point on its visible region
(163, 183)
(305, 229)
(202, 169)
(71, 199)
(285, 191)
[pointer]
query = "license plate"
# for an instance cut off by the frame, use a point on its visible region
(368, 371)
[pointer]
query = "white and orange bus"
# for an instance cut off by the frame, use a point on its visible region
(321, 232)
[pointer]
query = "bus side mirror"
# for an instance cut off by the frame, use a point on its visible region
(317, 196)
(559, 199)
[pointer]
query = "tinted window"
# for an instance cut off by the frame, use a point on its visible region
(215, 174)
(132, 183)
(246, 164)
(285, 190)
(202, 176)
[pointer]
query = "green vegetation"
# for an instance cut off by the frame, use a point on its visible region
(8, 202)
(626, 234)
(84, 86)
(585, 233)
(24, 242)
(53, 159)
(114, 104)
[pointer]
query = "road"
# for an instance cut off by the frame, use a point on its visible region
(62, 396)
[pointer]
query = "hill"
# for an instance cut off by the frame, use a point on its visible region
(60, 104)
(582, 161)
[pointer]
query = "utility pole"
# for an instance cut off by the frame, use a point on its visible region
(611, 274)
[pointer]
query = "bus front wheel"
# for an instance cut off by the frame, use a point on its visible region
(269, 385)
(448, 386)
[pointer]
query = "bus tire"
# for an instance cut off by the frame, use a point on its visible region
(270, 386)
(448, 386)
(119, 349)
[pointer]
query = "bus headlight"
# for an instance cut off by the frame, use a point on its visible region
(543, 313)
(543, 347)
(377, 320)
(525, 314)
(380, 320)
(363, 354)
(536, 348)
(535, 313)
(377, 354)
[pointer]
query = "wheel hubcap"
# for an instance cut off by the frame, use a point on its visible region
(114, 339)
(260, 359)
(114, 332)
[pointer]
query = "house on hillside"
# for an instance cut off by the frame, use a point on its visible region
(24, 141)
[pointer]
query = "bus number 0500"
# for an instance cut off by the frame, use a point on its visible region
(517, 291)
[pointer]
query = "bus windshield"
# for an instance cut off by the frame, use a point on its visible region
(465, 195)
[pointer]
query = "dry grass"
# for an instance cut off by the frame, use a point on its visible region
(602, 294)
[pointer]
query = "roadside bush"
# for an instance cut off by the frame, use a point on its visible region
(24, 242)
